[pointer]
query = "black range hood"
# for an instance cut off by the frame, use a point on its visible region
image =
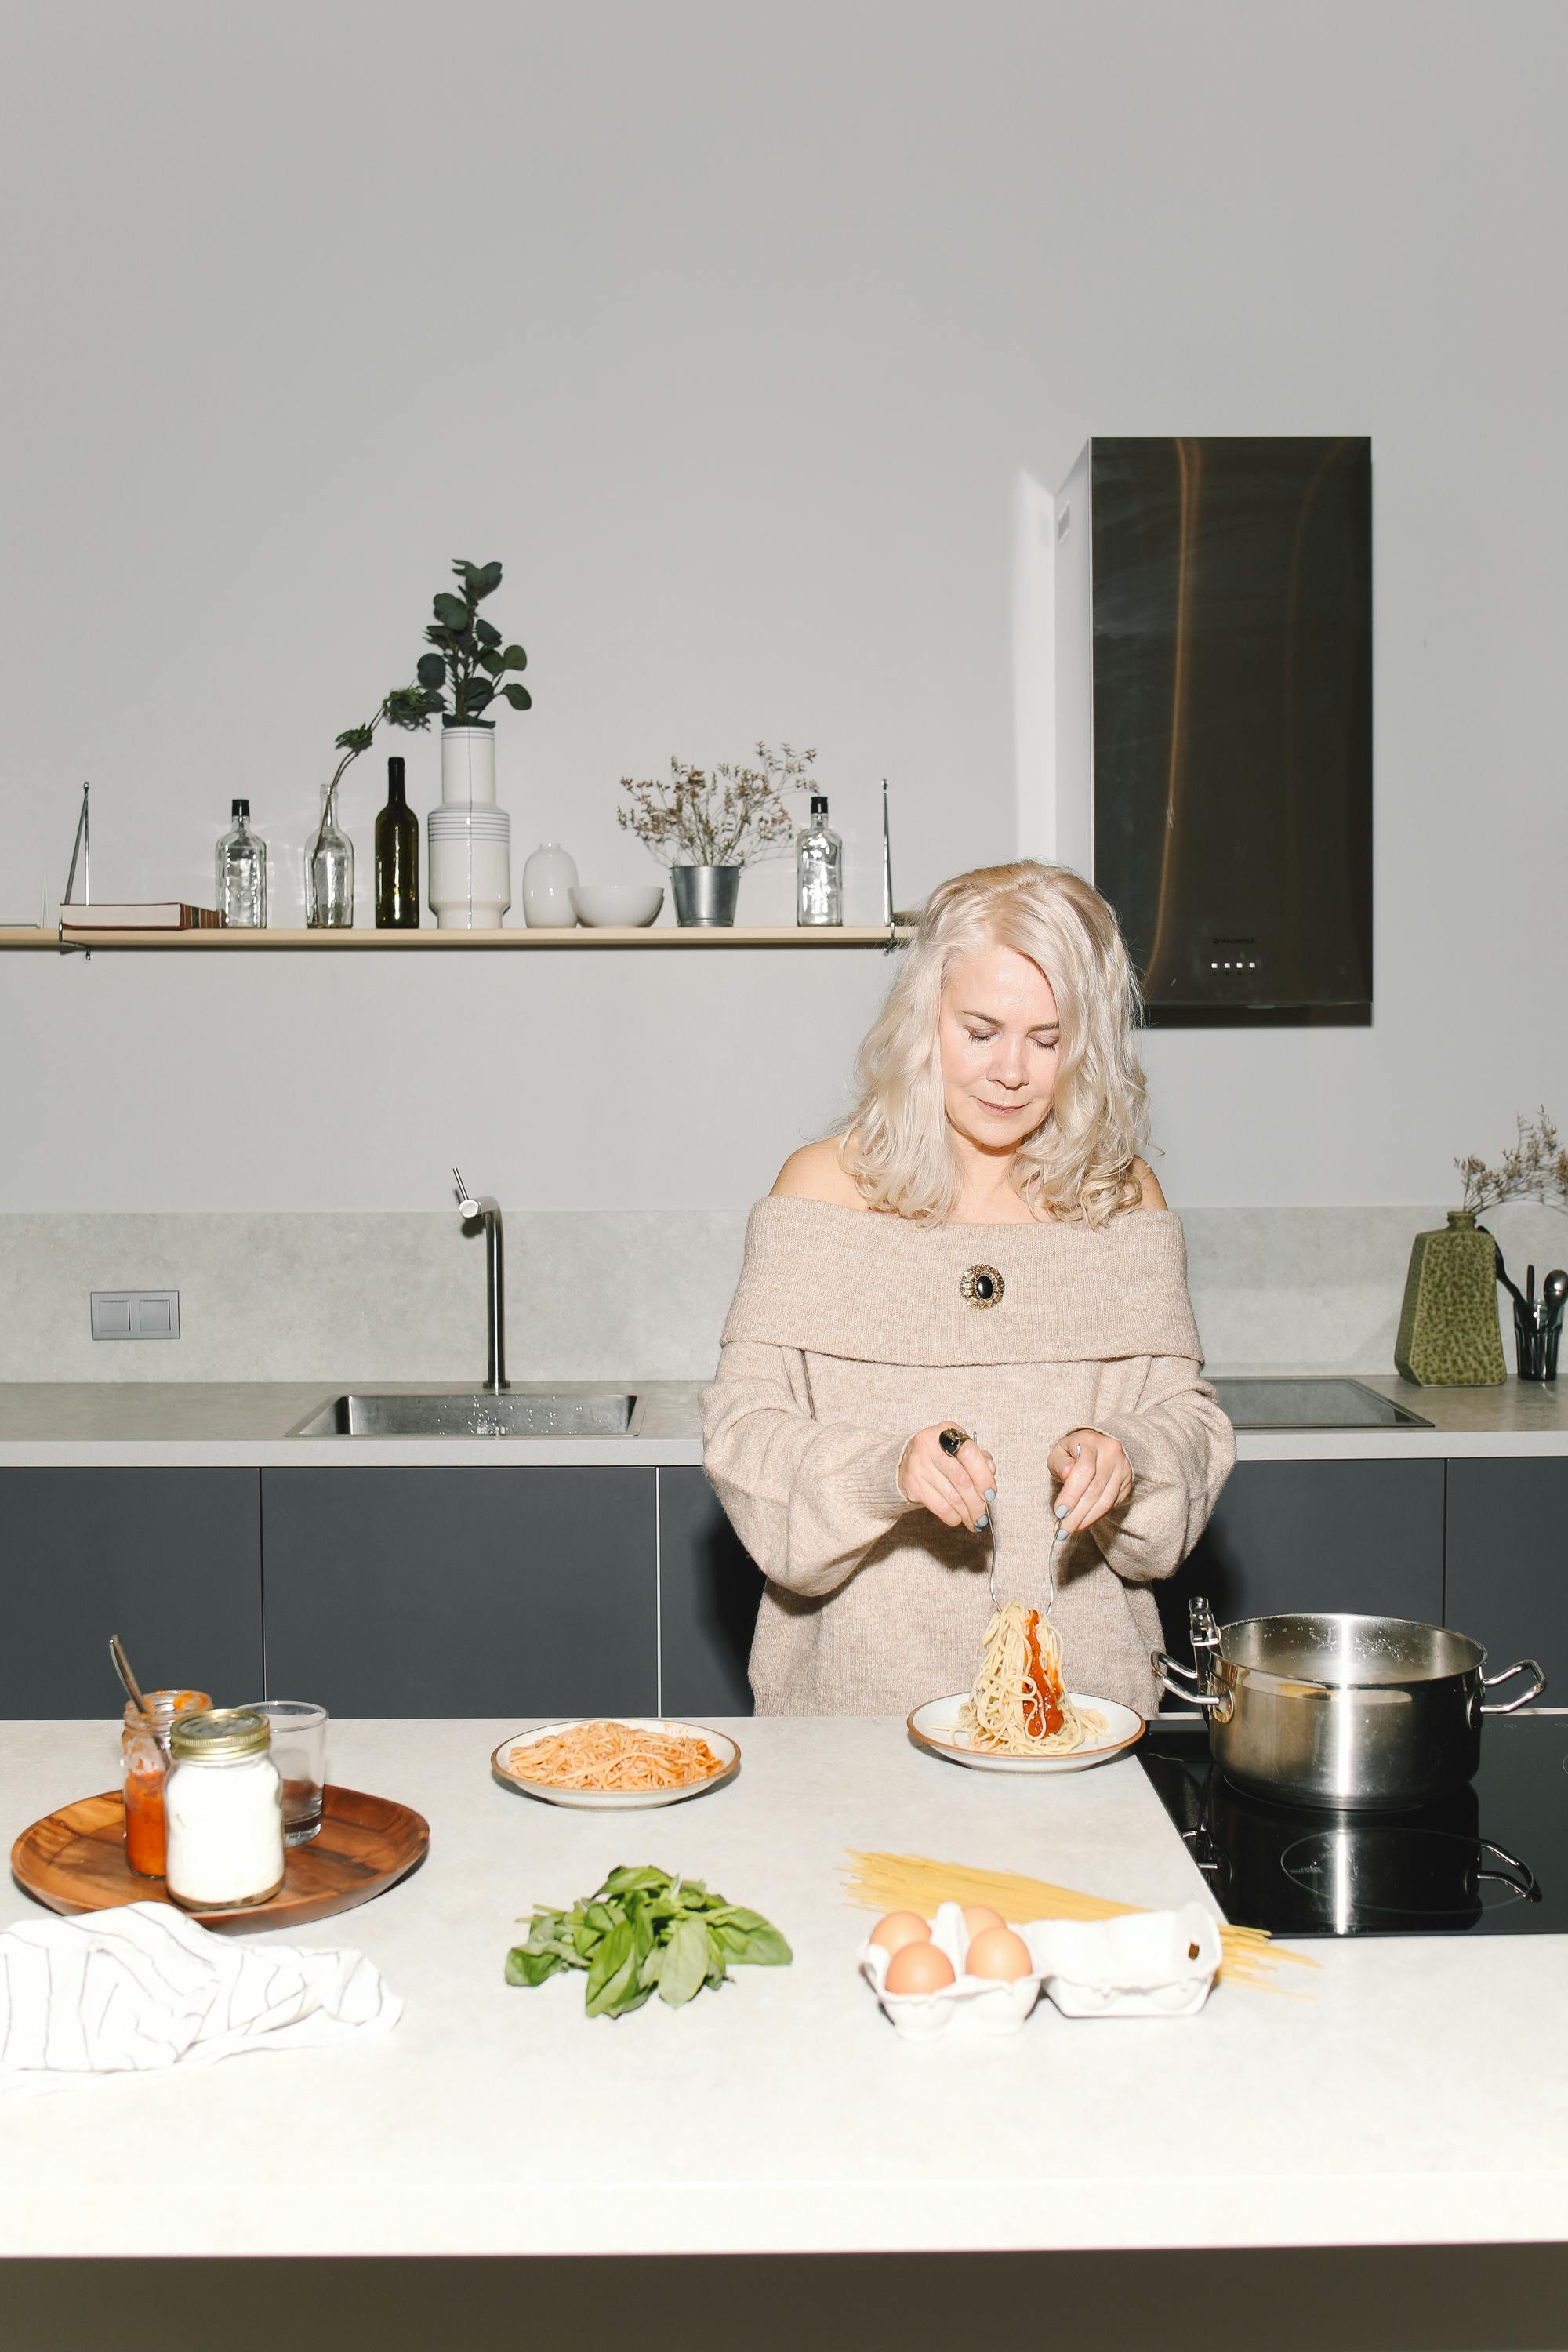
(1214, 719)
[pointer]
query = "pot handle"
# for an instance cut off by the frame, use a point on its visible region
(1518, 1874)
(1218, 1702)
(1521, 1667)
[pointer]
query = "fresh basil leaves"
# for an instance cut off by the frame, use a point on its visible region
(644, 1932)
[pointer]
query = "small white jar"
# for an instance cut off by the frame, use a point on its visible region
(224, 1804)
(549, 877)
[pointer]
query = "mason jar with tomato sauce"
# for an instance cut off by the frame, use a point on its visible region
(142, 1768)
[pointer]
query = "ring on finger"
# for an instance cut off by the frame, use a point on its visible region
(953, 1440)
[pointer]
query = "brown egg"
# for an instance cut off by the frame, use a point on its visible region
(978, 1916)
(898, 1928)
(998, 1952)
(919, 1967)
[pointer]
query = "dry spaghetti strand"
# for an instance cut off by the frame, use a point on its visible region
(909, 1881)
(612, 1755)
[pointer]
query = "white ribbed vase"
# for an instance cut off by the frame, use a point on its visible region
(469, 767)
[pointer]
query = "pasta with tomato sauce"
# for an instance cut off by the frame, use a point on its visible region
(1018, 1705)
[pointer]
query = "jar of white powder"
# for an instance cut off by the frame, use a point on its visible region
(224, 1802)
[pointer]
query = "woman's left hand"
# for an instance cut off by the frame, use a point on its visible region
(1094, 1475)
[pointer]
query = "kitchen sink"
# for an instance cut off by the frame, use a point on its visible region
(472, 1412)
(1271, 1403)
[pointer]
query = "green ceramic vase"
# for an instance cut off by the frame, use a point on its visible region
(1450, 1335)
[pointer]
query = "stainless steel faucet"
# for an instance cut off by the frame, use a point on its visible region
(469, 1207)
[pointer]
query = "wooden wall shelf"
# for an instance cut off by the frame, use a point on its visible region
(659, 935)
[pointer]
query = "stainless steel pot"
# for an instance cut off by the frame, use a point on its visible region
(1357, 1714)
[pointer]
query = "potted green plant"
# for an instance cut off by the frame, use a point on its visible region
(470, 662)
(329, 860)
(707, 827)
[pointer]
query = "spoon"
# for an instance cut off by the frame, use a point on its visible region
(134, 1691)
(1554, 1289)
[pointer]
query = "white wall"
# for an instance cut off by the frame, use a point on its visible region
(731, 330)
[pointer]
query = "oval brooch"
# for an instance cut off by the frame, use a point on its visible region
(981, 1286)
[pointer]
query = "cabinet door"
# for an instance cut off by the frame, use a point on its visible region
(1507, 1579)
(464, 1591)
(708, 1590)
(169, 1560)
(1286, 1537)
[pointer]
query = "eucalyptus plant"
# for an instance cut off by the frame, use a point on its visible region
(409, 707)
(469, 657)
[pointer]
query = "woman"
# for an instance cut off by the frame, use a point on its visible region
(982, 1253)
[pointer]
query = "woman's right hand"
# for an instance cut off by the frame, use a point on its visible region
(958, 1488)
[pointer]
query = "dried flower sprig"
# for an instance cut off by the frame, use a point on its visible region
(1535, 1168)
(733, 816)
(787, 770)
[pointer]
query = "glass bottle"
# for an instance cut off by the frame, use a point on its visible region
(141, 1764)
(396, 859)
(330, 872)
(242, 873)
(819, 869)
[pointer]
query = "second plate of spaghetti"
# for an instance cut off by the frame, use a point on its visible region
(936, 1725)
(616, 1763)
(1020, 1716)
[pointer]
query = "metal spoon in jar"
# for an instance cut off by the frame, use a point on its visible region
(133, 1693)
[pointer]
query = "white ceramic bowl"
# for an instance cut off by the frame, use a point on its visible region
(608, 904)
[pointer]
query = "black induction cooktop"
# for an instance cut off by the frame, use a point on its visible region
(1492, 1861)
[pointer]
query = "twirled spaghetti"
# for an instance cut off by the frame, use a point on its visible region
(615, 1756)
(1018, 1706)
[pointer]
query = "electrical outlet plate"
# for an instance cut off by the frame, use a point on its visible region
(136, 1314)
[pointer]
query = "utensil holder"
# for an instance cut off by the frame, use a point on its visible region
(1536, 1331)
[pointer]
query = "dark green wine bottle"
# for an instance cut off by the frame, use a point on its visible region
(396, 859)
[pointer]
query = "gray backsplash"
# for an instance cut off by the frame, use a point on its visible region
(615, 1295)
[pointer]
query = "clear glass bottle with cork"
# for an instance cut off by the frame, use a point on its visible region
(242, 873)
(819, 869)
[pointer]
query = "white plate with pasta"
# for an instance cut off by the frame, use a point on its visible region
(936, 1725)
(620, 1764)
(1020, 1716)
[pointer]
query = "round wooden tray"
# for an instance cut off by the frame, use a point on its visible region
(75, 1860)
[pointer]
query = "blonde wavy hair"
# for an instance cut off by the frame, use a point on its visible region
(1078, 1163)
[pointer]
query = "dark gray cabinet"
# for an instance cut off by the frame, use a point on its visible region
(462, 1592)
(169, 1560)
(1297, 1536)
(1508, 1563)
(543, 1591)
(708, 1591)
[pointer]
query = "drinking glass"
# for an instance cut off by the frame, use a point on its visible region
(299, 1752)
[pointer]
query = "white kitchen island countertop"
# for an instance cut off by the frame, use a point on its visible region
(1419, 2093)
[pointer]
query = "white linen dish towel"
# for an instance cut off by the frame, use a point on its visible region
(141, 1987)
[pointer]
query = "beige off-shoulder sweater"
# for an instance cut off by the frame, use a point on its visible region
(850, 1330)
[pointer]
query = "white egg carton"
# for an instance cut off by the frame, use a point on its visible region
(1145, 1964)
